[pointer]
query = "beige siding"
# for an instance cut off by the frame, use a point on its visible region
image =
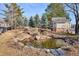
(63, 27)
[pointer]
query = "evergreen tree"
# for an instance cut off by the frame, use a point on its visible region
(44, 21)
(13, 14)
(37, 20)
(17, 15)
(31, 22)
(55, 10)
(26, 21)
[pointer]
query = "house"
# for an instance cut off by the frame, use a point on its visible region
(60, 24)
(4, 26)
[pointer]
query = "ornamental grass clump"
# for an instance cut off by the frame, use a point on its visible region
(50, 43)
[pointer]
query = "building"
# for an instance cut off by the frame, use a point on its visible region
(60, 24)
(4, 26)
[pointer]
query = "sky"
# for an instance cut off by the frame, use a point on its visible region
(31, 9)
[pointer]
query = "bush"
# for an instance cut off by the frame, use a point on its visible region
(51, 43)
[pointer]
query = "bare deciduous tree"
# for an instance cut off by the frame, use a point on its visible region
(74, 8)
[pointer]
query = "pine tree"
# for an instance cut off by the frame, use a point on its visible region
(31, 22)
(26, 21)
(55, 10)
(13, 14)
(17, 14)
(44, 21)
(37, 20)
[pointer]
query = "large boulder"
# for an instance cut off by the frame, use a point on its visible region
(60, 42)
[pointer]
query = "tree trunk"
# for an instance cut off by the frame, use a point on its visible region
(77, 19)
(76, 26)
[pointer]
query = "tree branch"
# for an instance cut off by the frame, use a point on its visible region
(70, 7)
(70, 11)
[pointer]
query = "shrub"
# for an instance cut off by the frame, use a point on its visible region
(51, 43)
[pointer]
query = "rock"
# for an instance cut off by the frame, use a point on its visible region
(60, 43)
(61, 52)
(21, 44)
(59, 36)
(37, 37)
(28, 47)
(27, 36)
(76, 46)
(16, 40)
(36, 51)
(71, 41)
(43, 37)
(26, 28)
(66, 48)
(47, 51)
(22, 37)
(29, 32)
(35, 30)
(57, 52)
(72, 52)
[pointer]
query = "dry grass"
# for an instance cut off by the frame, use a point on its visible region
(4, 38)
(7, 50)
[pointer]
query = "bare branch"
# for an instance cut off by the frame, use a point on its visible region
(2, 14)
(70, 7)
(70, 11)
